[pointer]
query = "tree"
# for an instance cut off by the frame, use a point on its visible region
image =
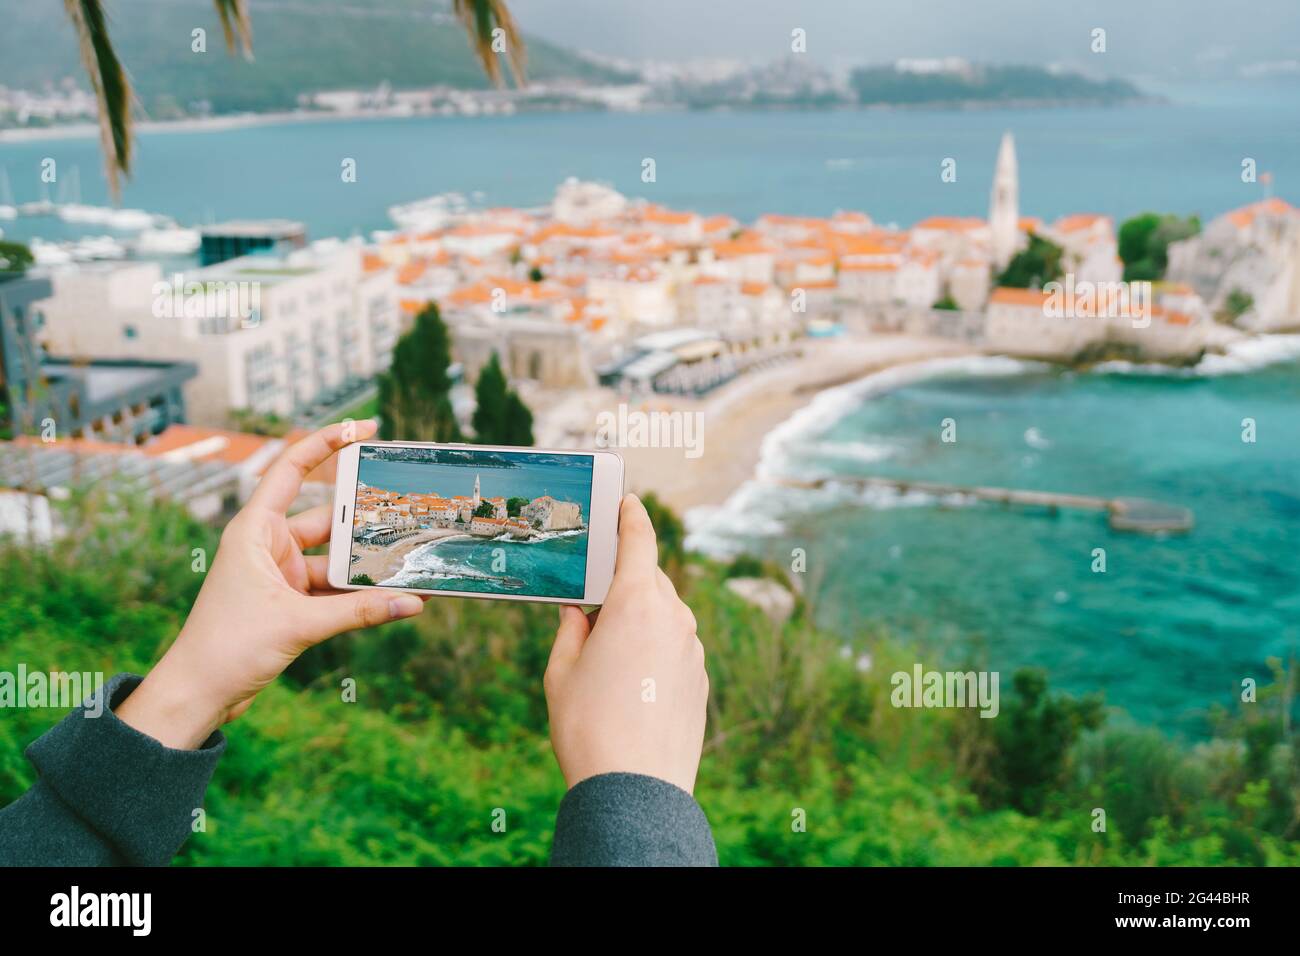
(415, 392)
(1034, 266)
(514, 506)
(15, 258)
(500, 415)
(519, 422)
(362, 579)
(112, 86)
(1034, 735)
(485, 509)
(535, 274)
(947, 304)
(1144, 243)
(1237, 304)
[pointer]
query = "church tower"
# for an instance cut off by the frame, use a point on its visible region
(1004, 204)
(477, 499)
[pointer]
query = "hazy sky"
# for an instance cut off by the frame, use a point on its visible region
(1171, 37)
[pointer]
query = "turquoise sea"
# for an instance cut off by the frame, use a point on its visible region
(1183, 156)
(1172, 625)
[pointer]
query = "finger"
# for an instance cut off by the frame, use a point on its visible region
(638, 548)
(279, 486)
(312, 527)
(318, 572)
(569, 640)
(327, 616)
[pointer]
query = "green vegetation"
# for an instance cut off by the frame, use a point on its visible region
(1237, 304)
(947, 304)
(885, 85)
(1033, 266)
(300, 48)
(361, 579)
(415, 393)
(450, 723)
(514, 506)
(258, 423)
(485, 510)
(15, 259)
(1144, 243)
(500, 415)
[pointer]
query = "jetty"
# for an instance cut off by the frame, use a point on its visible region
(1139, 515)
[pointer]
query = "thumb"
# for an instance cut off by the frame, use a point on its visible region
(569, 639)
(336, 613)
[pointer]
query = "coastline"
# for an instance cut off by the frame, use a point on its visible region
(738, 417)
(382, 563)
(748, 418)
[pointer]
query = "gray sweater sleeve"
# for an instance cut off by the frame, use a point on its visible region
(106, 794)
(628, 819)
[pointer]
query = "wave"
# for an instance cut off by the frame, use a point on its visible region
(861, 451)
(751, 509)
(831, 405)
(1239, 357)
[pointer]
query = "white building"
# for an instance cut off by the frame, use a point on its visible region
(270, 335)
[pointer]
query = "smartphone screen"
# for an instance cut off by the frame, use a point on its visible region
(471, 519)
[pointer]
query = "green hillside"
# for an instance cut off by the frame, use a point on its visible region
(449, 723)
(300, 46)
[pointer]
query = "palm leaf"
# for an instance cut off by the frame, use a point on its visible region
(480, 18)
(237, 25)
(111, 86)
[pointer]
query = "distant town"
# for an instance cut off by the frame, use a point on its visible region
(382, 516)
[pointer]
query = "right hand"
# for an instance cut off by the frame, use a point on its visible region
(626, 687)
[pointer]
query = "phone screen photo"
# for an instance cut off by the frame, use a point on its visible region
(471, 519)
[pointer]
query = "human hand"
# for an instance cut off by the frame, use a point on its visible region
(262, 604)
(626, 688)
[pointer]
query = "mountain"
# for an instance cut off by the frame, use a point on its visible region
(300, 46)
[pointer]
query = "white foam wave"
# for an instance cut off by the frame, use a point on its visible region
(750, 510)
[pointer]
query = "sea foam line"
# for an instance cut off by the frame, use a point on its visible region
(711, 528)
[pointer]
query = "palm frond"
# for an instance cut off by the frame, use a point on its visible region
(111, 86)
(237, 25)
(481, 17)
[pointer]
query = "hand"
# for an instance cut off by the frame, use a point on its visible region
(263, 603)
(626, 688)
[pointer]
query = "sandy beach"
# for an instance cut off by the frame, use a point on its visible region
(382, 563)
(738, 416)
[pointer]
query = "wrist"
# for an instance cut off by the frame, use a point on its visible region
(170, 708)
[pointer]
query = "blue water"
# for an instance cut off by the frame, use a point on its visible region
(1173, 624)
(552, 567)
(1182, 156)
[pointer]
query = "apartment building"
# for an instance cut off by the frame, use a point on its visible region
(279, 335)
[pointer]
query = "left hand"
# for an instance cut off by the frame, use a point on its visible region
(263, 603)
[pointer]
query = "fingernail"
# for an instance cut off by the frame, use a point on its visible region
(407, 605)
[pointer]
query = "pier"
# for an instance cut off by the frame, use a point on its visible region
(1138, 515)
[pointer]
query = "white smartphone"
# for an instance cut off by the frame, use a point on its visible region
(481, 521)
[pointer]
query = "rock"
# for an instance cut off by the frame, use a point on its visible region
(767, 595)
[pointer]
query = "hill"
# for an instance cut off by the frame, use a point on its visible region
(300, 46)
(986, 85)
